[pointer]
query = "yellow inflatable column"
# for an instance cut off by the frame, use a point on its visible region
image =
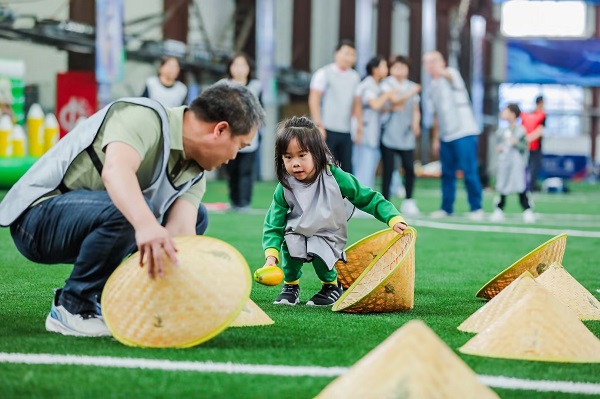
(6, 127)
(35, 133)
(51, 131)
(18, 142)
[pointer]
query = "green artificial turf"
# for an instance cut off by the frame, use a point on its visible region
(450, 267)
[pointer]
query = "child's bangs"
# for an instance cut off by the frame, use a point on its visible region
(286, 137)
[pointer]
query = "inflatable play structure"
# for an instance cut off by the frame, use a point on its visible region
(11, 170)
(21, 146)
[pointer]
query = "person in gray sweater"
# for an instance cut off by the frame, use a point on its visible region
(456, 135)
(332, 102)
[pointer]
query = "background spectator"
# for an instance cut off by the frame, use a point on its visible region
(400, 131)
(455, 134)
(331, 102)
(165, 88)
(241, 169)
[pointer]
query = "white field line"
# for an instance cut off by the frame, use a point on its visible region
(546, 219)
(576, 220)
(570, 216)
(504, 229)
(584, 388)
(288, 371)
(170, 365)
(541, 197)
(512, 219)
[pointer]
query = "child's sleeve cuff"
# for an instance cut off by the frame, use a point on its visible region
(396, 219)
(272, 252)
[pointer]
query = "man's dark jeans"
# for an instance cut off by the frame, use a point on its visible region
(83, 228)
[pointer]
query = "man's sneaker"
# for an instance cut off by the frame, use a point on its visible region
(409, 207)
(99, 307)
(476, 216)
(327, 296)
(497, 215)
(528, 216)
(61, 321)
(439, 214)
(290, 295)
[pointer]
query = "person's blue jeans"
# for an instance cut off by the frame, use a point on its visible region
(365, 160)
(460, 154)
(83, 228)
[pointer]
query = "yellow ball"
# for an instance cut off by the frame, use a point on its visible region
(269, 275)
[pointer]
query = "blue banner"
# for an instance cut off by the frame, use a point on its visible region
(109, 41)
(564, 166)
(586, 1)
(540, 61)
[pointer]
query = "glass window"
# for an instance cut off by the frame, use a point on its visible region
(544, 19)
(563, 105)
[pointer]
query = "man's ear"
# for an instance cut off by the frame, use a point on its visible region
(221, 127)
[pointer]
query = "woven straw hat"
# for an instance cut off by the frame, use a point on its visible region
(388, 282)
(537, 328)
(568, 290)
(494, 309)
(413, 362)
(252, 315)
(360, 254)
(536, 262)
(190, 304)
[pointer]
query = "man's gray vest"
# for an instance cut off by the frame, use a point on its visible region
(47, 174)
(317, 223)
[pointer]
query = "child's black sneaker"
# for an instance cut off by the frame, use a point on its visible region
(327, 296)
(290, 295)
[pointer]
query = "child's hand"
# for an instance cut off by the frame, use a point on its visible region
(400, 227)
(271, 261)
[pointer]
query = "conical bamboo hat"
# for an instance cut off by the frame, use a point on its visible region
(360, 255)
(538, 328)
(494, 309)
(388, 282)
(190, 304)
(535, 262)
(252, 315)
(413, 362)
(568, 290)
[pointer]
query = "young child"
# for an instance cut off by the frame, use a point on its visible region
(399, 134)
(307, 219)
(512, 162)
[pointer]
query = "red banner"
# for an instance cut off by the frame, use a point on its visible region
(76, 97)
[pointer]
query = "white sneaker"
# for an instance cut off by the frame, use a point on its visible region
(528, 216)
(400, 192)
(61, 321)
(497, 215)
(476, 216)
(409, 207)
(439, 214)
